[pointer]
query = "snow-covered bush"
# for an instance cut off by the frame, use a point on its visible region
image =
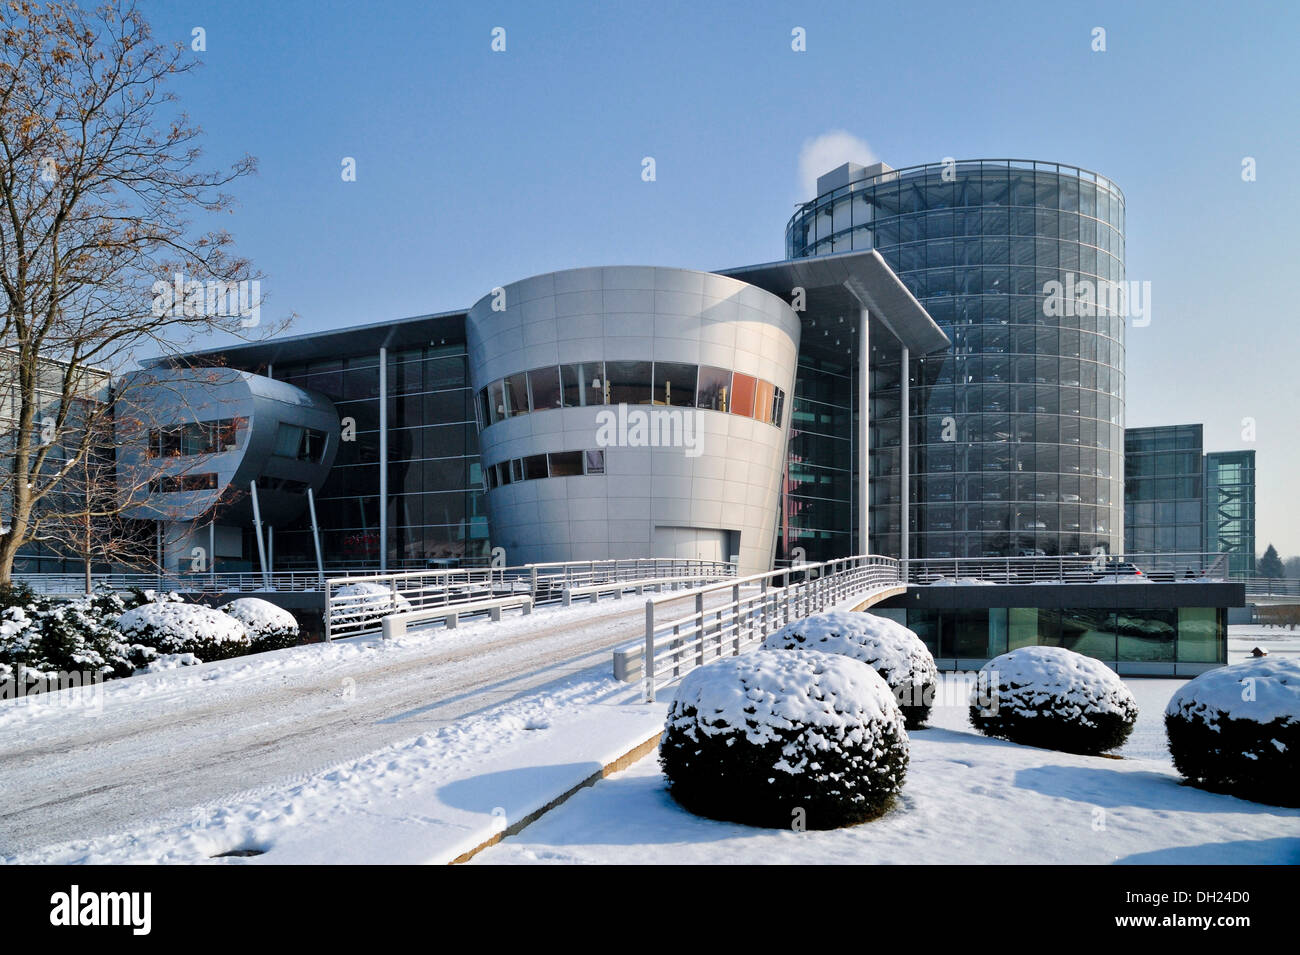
(364, 602)
(1054, 698)
(269, 627)
(45, 637)
(186, 628)
(759, 737)
(885, 645)
(1236, 730)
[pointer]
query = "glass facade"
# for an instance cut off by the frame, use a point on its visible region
(1017, 431)
(1230, 508)
(1163, 490)
(435, 486)
(1148, 635)
(818, 489)
(672, 384)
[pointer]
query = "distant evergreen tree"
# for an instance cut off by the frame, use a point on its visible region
(1270, 565)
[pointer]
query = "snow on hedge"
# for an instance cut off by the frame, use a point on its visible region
(365, 599)
(767, 691)
(1236, 730)
(185, 628)
(776, 737)
(1260, 690)
(896, 653)
(1053, 697)
(270, 627)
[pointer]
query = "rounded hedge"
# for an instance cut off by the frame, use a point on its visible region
(186, 628)
(785, 739)
(888, 647)
(1236, 730)
(1054, 698)
(365, 602)
(269, 627)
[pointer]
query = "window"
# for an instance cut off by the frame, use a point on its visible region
(742, 394)
(565, 463)
(583, 384)
(535, 467)
(630, 382)
(595, 461)
(302, 444)
(173, 483)
(778, 406)
(763, 401)
(544, 385)
(496, 402)
(195, 437)
(674, 384)
(714, 387)
(516, 391)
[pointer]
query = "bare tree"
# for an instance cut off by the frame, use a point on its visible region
(99, 257)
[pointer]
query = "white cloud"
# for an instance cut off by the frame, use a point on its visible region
(823, 153)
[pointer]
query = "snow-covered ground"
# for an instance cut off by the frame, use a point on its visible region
(967, 799)
(183, 765)
(163, 749)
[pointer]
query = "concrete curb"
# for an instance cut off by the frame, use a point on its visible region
(617, 765)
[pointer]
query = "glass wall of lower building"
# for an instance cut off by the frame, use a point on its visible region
(435, 486)
(1017, 443)
(1175, 635)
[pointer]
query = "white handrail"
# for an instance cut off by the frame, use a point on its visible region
(357, 613)
(756, 606)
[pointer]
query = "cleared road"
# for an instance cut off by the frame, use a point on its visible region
(165, 744)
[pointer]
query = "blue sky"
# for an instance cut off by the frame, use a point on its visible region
(477, 168)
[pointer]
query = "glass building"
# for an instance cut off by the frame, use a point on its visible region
(1230, 508)
(1016, 433)
(1172, 639)
(1163, 490)
(432, 483)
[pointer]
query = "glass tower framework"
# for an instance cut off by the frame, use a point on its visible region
(1230, 508)
(1017, 432)
(1163, 490)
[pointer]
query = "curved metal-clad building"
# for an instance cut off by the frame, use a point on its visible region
(633, 411)
(193, 441)
(1017, 431)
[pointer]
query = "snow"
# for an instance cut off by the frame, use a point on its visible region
(961, 582)
(178, 623)
(887, 646)
(1031, 678)
(365, 598)
(767, 691)
(260, 616)
(245, 732)
(435, 750)
(968, 799)
(1261, 690)
(426, 800)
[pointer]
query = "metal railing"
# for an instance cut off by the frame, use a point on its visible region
(1070, 568)
(758, 605)
(1257, 586)
(75, 583)
(356, 605)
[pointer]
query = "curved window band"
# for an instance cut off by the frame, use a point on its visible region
(670, 384)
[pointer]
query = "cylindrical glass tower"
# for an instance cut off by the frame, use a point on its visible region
(1017, 432)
